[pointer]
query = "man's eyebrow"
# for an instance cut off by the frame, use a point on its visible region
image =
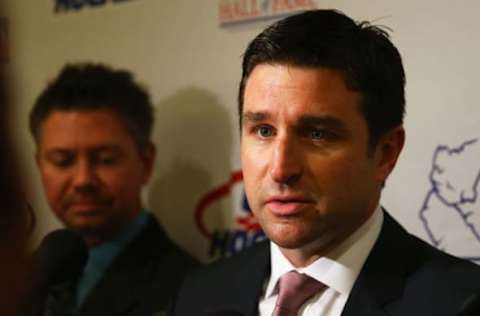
(57, 150)
(254, 116)
(57, 153)
(327, 120)
(109, 147)
(99, 148)
(305, 120)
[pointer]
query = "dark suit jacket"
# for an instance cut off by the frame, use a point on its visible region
(142, 279)
(402, 276)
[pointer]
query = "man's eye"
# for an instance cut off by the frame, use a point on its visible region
(265, 131)
(106, 160)
(319, 134)
(61, 161)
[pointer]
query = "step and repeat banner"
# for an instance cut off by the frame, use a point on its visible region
(188, 55)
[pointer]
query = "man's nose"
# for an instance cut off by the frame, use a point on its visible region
(85, 175)
(286, 165)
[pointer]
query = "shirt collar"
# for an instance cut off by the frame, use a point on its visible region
(101, 255)
(340, 267)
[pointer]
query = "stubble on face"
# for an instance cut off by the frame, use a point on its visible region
(91, 171)
(307, 174)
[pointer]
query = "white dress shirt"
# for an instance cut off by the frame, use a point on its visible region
(338, 271)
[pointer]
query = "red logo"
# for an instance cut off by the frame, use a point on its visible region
(225, 242)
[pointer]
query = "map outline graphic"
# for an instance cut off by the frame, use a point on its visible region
(437, 192)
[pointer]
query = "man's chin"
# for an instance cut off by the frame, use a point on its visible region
(84, 227)
(289, 241)
(299, 239)
(93, 234)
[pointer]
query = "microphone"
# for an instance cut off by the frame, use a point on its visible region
(471, 306)
(61, 257)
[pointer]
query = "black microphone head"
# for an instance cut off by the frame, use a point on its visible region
(61, 256)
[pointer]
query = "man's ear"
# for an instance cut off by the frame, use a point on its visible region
(387, 151)
(148, 155)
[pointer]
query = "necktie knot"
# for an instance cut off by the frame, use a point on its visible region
(294, 289)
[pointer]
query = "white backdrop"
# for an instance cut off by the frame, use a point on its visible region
(191, 66)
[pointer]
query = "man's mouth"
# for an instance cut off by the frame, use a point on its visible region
(288, 205)
(85, 207)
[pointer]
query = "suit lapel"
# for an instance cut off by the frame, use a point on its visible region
(112, 296)
(118, 292)
(382, 278)
(378, 287)
(250, 280)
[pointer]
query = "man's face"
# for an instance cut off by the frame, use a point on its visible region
(309, 176)
(92, 171)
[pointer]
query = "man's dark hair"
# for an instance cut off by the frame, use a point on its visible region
(87, 87)
(363, 53)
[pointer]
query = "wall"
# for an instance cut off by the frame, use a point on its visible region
(191, 66)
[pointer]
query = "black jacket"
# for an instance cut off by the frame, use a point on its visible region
(402, 276)
(142, 280)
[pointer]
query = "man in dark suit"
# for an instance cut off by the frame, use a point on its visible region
(92, 127)
(321, 107)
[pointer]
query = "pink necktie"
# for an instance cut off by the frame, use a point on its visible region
(294, 289)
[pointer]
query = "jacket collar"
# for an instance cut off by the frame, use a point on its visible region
(382, 278)
(252, 278)
(126, 276)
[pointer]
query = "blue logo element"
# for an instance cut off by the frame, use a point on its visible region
(451, 210)
(225, 243)
(245, 205)
(75, 5)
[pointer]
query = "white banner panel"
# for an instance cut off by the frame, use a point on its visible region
(190, 62)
